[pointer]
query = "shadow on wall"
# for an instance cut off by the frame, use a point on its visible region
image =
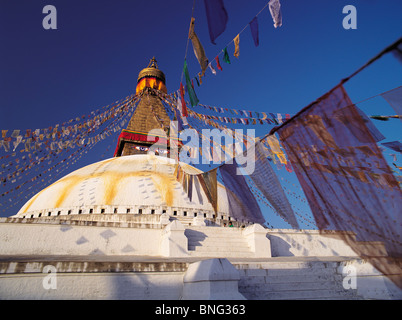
(286, 244)
(106, 239)
(279, 247)
(310, 281)
(146, 286)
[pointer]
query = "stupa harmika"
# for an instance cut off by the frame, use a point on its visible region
(124, 228)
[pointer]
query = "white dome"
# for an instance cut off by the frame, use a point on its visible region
(131, 184)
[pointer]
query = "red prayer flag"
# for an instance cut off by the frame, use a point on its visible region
(217, 63)
(183, 102)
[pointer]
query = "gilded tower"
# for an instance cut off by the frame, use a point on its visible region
(150, 114)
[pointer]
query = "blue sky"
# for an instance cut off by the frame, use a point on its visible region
(93, 58)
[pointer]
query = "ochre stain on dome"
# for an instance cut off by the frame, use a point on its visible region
(164, 184)
(137, 180)
(71, 183)
(31, 201)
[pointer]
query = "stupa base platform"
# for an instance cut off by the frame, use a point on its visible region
(159, 258)
(161, 278)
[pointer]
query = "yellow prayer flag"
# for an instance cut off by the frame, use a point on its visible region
(236, 42)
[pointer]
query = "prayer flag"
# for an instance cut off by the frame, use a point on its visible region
(190, 188)
(212, 69)
(183, 110)
(218, 65)
(242, 204)
(394, 98)
(346, 179)
(254, 31)
(209, 184)
(226, 56)
(193, 97)
(198, 48)
(217, 18)
(394, 145)
(275, 148)
(268, 183)
(236, 43)
(377, 135)
(275, 10)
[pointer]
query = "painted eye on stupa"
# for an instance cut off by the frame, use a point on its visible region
(141, 148)
(163, 151)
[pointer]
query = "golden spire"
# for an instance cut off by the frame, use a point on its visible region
(152, 71)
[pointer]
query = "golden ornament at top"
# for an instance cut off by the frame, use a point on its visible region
(152, 71)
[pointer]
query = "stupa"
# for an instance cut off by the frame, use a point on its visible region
(124, 228)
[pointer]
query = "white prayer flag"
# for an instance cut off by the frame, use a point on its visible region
(275, 9)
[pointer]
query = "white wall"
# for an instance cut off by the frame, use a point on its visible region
(120, 286)
(47, 239)
(288, 242)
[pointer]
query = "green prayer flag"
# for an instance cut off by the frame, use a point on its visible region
(226, 56)
(193, 97)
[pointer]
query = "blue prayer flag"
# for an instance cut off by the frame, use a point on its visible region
(217, 18)
(254, 31)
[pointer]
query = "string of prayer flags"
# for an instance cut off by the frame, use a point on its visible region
(275, 10)
(346, 179)
(381, 118)
(267, 182)
(217, 18)
(274, 145)
(226, 55)
(254, 31)
(198, 48)
(386, 118)
(242, 203)
(236, 43)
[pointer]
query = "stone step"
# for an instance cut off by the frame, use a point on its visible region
(220, 248)
(214, 236)
(293, 280)
(218, 241)
(288, 264)
(294, 284)
(323, 294)
(219, 254)
(214, 230)
(319, 277)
